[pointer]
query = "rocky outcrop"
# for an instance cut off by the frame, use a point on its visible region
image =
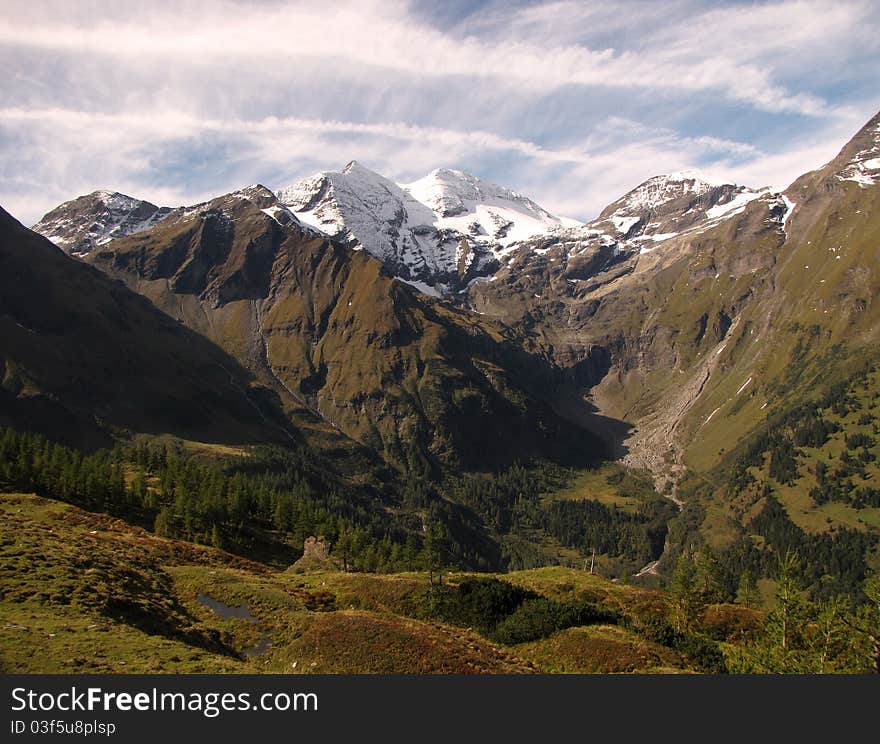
(316, 557)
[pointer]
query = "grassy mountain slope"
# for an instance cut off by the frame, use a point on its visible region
(744, 354)
(700, 339)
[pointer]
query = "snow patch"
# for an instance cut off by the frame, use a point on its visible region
(858, 169)
(421, 286)
(624, 224)
(789, 209)
(660, 237)
(734, 206)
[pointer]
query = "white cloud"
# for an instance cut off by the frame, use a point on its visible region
(571, 103)
(89, 150)
(688, 57)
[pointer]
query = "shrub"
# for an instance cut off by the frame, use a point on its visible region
(479, 603)
(540, 618)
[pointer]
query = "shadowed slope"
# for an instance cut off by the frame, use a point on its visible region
(81, 355)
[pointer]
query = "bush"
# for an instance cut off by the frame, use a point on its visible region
(510, 614)
(540, 618)
(703, 653)
(478, 603)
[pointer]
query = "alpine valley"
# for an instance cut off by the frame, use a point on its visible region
(644, 443)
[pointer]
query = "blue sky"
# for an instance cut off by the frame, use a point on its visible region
(571, 103)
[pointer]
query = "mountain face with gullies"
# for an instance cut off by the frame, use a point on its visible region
(722, 342)
(347, 348)
(739, 304)
(84, 359)
(647, 310)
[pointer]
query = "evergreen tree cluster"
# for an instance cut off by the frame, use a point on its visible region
(590, 525)
(832, 563)
(804, 636)
(264, 505)
(511, 504)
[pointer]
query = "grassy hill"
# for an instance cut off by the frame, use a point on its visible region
(89, 593)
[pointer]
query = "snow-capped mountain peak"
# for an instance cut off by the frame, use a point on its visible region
(641, 221)
(502, 214)
(669, 204)
(341, 203)
(78, 225)
(448, 192)
(439, 231)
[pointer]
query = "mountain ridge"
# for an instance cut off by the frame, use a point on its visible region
(439, 233)
(567, 293)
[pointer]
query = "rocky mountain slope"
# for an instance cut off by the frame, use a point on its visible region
(682, 309)
(340, 341)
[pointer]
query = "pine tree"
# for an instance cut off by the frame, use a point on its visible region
(344, 545)
(790, 611)
(828, 640)
(748, 594)
(216, 537)
(164, 522)
(782, 649)
(684, 597)
(707, 576)
(433, 553)
(866, 623)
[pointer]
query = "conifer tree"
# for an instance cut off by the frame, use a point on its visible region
(684, 597)
(747, 593)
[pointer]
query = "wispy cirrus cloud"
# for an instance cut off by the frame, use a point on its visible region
(569, 102)
(392, 42)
